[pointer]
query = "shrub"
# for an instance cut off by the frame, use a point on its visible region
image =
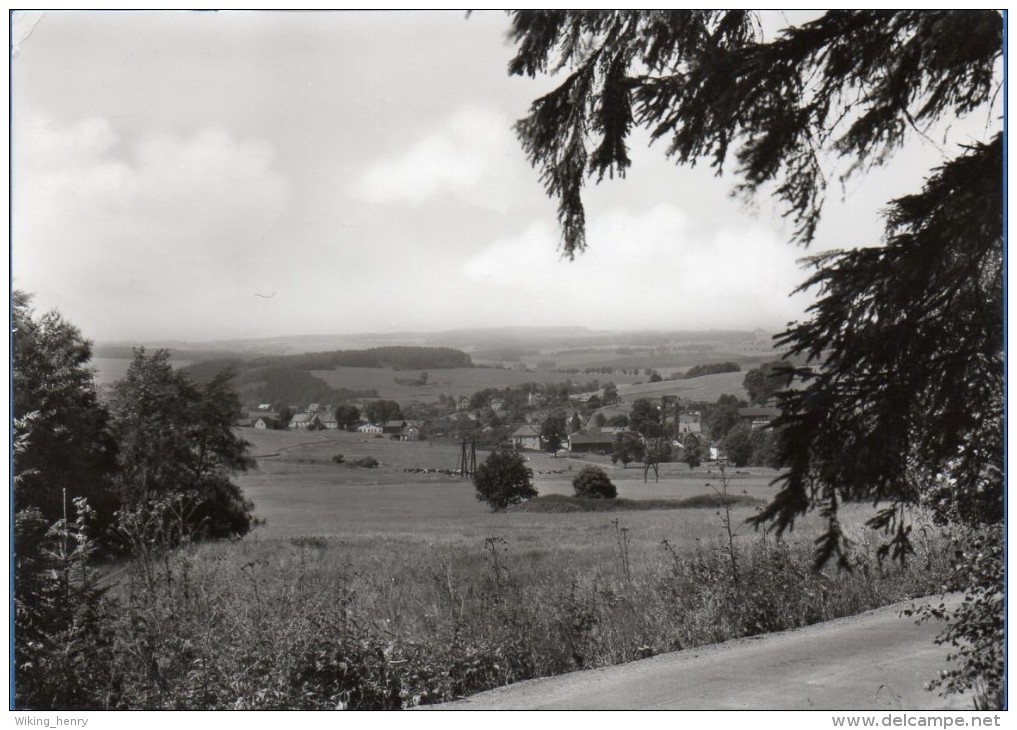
(504, 479)
(591, 481)
(338, 458)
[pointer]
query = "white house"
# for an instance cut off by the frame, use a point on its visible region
(369, 428)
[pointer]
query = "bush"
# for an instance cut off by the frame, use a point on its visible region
(504, 479)
(338, 458)
(591, 481)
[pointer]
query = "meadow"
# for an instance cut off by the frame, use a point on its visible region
(388, 588)
(391, 587)
(703, 389)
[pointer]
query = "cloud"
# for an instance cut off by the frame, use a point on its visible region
(653, 269)
(466, 156)
(98, 219)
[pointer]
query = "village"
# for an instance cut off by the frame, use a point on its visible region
(545, 423)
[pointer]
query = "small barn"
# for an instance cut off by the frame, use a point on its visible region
(526, 437)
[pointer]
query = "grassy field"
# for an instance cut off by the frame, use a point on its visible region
(705, 388)
(457, 381)
(299, 490)
(387, 588)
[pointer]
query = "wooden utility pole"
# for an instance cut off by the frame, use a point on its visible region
(467, 465)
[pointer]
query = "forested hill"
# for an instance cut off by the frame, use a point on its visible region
(397, 357)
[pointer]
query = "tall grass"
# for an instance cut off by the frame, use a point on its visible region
(314, 623)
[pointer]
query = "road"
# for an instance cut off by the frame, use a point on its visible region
(874, 661)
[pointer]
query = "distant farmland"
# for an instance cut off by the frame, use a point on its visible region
(458, 381)
(707, 388)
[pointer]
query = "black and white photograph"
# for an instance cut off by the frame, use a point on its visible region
(508, 360)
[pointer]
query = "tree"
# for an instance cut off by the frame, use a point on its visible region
(66, 444)
(619, 421)
(658, 451)
(504, 479)
(737, 445)
(380, 411)
(553, 431)
(576, 424)
(904, 400)
(610, 394)
(628, 447)
(177, 443)
(691, 450)
(645, 417)
(346, 416)
(600, 420)
(721, 417)
(593, 482)
(764, 447)
(766, 380)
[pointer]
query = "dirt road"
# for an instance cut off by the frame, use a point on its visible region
(874, 661)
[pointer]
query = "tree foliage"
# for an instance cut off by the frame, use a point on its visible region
(645, 417)
(737, 445)
(504, 479)
(692, 450)
(380, 411)
(553, 431)
(712, 368)
(721, 417)
(627, 447)
(852, 83)
(903, 402)
(62, 428)
(176, 439)
(764, 382)
(657, 451)
(593, 482)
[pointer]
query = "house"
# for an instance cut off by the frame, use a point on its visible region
(251, 419)
(526, 437)
(267, 422)
(758, 416)
(689, 423)
(393, 428)
(305, 422)
(368, 428)
(328, 420)
(593, 442)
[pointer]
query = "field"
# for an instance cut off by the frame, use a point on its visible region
(705, 388)
(388, 588)
(457, 381)
(301, 492)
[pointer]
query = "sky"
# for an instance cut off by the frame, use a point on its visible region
(200, 176)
